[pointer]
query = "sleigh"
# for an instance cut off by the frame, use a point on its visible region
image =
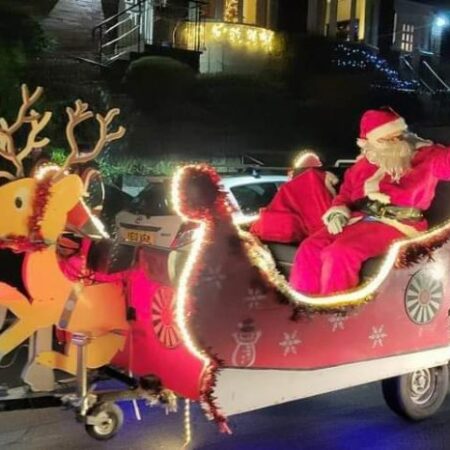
(260, 343)
(211, 319)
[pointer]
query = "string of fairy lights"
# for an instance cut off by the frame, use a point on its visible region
(349, 57)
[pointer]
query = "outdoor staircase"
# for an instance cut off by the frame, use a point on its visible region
(62, 70)
(131, 33)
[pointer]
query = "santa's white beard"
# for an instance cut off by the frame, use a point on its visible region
(393, 157)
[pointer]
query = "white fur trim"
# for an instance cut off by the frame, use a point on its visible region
(361, 143)
(331, 180)
(395, 126)
(342, 209)
(372, 184)
(379, 197)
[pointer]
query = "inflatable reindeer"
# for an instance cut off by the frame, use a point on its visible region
(36, 209)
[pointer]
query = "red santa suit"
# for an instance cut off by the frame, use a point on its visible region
(326, 263)
(296, 210)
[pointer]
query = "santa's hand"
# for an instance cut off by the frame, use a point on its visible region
(336, 222)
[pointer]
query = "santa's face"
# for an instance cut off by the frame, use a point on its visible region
(392, 154)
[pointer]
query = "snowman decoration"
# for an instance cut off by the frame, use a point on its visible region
(244, 354)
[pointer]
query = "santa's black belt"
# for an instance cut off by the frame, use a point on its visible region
(377, 209)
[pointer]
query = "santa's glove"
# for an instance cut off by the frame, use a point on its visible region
(335, 222)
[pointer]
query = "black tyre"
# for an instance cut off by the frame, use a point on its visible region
(110, 418)
(417, 395)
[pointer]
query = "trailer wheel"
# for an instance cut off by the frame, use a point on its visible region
(104, 421)
(417, 395)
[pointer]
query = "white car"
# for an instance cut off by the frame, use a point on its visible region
(150, 220)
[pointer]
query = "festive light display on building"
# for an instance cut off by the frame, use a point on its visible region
(358, 58)
(253, 38)
(236, 35)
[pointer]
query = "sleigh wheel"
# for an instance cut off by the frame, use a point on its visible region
(417, 395)
(104, 421)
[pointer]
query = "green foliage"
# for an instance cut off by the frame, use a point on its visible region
(58, 155)
(20, 38)
(304, 58)
(156, 82)
(113, 169)
(20, 29)
(256, 108)
(36, 8)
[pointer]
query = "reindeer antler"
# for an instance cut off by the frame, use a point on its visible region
(80, 114)
(38, 122)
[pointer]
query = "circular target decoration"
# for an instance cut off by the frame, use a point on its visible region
(163, 318)
(423, 297)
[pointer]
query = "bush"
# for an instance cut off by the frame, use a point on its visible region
(156, 82)
(35, 8)
(21, 37)
(304, 57)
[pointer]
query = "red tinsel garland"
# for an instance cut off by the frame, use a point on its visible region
(417, 252)
(35, 240)
(40, 202)
(202, 199)
(209, 401)
(200, 195)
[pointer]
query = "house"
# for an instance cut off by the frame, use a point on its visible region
(212, 36)
(240, 36)
(408, 27)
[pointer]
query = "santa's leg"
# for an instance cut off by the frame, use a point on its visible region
(306, 269)
(342, 259)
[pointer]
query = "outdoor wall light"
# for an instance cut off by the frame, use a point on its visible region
(441, 21)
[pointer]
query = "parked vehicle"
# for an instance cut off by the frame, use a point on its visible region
(151, 220)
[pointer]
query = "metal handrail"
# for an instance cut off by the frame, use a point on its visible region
(416, 75)
(117, 24)
(436, 76)
(104, 31)
(111, 33)
(117, 39)
(115, 16)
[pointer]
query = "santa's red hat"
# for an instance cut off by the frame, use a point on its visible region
(377, 124)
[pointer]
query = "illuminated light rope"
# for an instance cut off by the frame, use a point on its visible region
(182, 290)
(210, 365)
(263, 259)
(187, 423)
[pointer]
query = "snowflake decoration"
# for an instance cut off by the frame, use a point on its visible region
(214, 276)
(290, 343)
(377, 336)
(337, 321)
(254, 298)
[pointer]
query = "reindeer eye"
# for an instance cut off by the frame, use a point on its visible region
(18, 202)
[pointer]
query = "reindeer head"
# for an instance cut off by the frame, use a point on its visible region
(34, 209)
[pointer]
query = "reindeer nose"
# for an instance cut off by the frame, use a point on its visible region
(80, 219)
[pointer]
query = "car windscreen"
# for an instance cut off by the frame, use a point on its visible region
(154, 200)
(252, 197)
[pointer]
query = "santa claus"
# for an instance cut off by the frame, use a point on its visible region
(382, 198)
(296, 210)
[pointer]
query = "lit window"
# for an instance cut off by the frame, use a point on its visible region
(249, 11)
(407, 41)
